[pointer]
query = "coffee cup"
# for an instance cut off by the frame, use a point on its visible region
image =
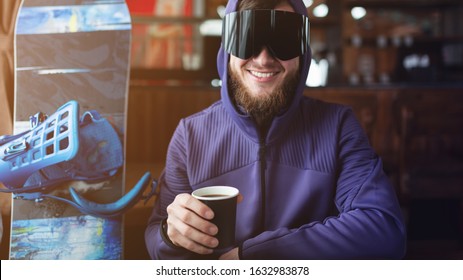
(222, 200)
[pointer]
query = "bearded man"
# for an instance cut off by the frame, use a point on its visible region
(312, 187)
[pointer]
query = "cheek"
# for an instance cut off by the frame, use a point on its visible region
(292, 65)
(233, 69)
(236, 64)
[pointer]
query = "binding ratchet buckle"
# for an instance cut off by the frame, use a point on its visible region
(16, 148)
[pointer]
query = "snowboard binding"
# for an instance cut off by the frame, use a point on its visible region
(61, 148)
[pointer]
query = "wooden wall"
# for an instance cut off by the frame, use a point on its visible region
(154, 113)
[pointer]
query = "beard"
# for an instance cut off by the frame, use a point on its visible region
(263, 108)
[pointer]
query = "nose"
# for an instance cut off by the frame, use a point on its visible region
(264, 57)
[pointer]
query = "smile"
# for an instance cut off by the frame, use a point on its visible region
(262, 75)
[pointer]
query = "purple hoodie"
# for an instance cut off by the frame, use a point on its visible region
(313, 188)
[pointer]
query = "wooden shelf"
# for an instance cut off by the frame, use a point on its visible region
(402, 4)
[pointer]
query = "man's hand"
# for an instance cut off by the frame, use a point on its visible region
(188, 225)
(230, 255)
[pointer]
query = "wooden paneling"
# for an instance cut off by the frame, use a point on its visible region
(154, 113)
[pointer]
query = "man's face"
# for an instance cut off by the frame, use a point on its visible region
(261, 83)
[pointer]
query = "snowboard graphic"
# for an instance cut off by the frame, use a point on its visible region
(72, 75)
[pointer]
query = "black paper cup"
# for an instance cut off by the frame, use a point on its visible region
(222, 200)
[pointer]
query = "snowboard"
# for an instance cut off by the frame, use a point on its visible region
(71, 50)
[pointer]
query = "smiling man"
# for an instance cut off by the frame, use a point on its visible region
(311, 185)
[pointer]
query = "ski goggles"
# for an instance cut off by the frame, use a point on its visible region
(285, 34)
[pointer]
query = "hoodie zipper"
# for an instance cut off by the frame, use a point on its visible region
(263, 167)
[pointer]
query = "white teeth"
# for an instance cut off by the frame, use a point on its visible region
(262, 75)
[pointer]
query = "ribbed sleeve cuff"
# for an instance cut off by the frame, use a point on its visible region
(165, 237)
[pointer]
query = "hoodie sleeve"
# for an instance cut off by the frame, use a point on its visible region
(173, 181)
(369, 224)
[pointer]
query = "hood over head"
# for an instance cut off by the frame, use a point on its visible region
(245, 122)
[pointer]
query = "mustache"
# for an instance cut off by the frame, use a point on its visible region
(268, 67)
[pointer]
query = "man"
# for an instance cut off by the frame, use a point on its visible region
(312, 187)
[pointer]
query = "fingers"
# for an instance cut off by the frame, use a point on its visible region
(189, 202)
(190, 238)
(188, 225)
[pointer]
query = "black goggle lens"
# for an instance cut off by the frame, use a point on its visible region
(285, 34)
